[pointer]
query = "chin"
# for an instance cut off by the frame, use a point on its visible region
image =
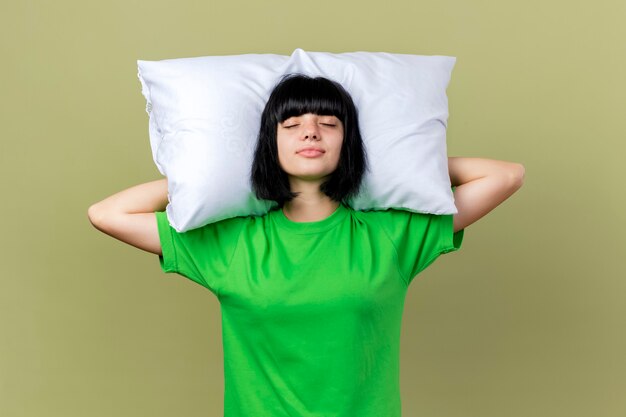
(310, 176)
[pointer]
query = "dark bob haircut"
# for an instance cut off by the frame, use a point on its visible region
(294, 95)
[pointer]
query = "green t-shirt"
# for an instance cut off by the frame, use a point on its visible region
(312, 311)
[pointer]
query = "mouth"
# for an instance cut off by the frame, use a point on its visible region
(311, 152)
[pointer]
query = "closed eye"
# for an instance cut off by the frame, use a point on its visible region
(326, 124)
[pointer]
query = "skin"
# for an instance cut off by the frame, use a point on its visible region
(307, 174)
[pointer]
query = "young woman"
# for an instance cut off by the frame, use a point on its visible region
(311, 293)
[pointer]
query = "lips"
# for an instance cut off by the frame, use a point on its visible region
(311, 149)
(311, 152)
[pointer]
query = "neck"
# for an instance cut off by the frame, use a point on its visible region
(310, 205)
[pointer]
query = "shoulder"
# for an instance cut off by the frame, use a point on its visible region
(390, 214)
(224, 227)
(397, 222)
(391, 220)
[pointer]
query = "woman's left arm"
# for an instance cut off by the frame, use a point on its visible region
(481, 185)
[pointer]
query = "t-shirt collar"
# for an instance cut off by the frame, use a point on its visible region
(311, 227)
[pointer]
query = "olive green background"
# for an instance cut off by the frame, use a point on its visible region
(527, 319)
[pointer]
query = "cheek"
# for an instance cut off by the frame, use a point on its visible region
(338, 145)
(283, 152)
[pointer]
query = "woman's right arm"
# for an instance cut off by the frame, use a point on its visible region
(129, 215)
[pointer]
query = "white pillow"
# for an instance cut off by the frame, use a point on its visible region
(205, 112)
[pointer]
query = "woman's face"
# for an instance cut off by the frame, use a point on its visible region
(296, 134)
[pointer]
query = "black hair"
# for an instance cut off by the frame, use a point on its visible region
(294, 95)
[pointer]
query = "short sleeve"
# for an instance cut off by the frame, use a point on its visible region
(203, 254)
(420, 238)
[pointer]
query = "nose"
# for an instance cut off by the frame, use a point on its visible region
(311, 131)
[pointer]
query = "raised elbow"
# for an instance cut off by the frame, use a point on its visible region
(518, 171)
(95, 215)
